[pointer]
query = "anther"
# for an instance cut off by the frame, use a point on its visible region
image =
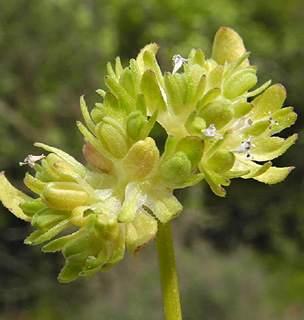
(244, 147)
(178, 61)
(30, 160)
(211, 131)
(272, 122)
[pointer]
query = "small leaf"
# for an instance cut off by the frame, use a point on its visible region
(115, 87)
(118, 67)
(216, 113)
(111, 72)
(151, 64)
(30, 208)
(136, 76)
(215, 77)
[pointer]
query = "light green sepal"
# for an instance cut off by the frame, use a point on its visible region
(31, 208)
(152, 91)
(269, 101)
(140, 232)
(274, 175)
(256, 170)
(152, 48)
(163, 204)
(117, 250)
(135, 197)
(86, 115)
(190, 181)
(69, 272)
(213, 182)
(12, 198)
(38, 236)
(34, 184)
(271, 147)
(236, 173)
(57, 244)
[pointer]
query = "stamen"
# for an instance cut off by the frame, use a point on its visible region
(178, 61)
(30, 160)
(273, 122)
(244, 147)
(211, 132)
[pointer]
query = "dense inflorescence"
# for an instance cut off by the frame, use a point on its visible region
(217, 130)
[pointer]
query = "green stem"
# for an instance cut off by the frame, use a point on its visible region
(168, 273)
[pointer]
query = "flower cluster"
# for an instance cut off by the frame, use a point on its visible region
(217, 130)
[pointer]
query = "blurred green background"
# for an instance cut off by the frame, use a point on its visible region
(238, 258)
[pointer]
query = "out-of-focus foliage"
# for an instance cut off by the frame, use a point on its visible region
(53, 51)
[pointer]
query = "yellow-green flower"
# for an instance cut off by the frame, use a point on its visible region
(217, 126)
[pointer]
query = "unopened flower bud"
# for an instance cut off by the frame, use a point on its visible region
(64, 196)
(217, 113)
(107, 226)
(113, 137)
(96, 159)
(177, 168)
(221, 161)
(141, 158)
(135, 123)
(240, 82)
(228, 46)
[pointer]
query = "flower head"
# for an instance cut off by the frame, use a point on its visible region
(93, 213)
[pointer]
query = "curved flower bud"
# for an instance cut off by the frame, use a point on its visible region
(64, 196)
(239, 83)
(97, 160)
(227, 46)
(141, 159)
(177, 168)
(136, 121)
(112, 136)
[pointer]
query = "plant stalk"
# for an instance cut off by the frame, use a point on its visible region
(168, 273)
